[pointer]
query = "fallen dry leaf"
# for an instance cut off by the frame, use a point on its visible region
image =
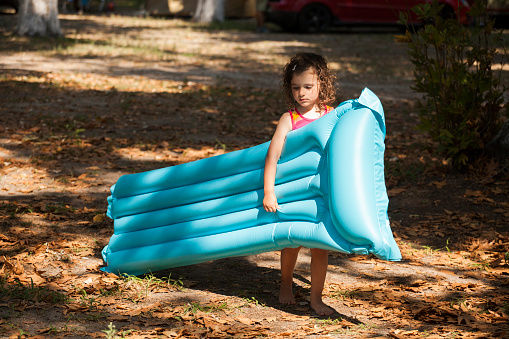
(440, 184)
(16, 269)
(98, 218)
(395, 191)
(471, 193)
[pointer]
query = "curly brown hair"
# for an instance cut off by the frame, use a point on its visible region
(302, 62)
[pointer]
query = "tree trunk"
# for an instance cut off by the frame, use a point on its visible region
(38, 17)
(209, 10)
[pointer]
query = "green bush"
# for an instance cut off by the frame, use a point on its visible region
(462, 104)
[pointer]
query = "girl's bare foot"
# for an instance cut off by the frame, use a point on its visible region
(321, 309)
(286, 296)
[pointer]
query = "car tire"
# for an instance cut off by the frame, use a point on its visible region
(314, 18)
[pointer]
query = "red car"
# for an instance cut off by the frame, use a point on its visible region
(313, 16)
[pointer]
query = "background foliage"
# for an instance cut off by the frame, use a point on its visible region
(462, 108)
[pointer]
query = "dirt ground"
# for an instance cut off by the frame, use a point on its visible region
(127, 94)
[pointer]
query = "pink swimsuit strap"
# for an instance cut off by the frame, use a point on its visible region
(298, 120)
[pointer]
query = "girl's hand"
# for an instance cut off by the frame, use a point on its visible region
(270, 203)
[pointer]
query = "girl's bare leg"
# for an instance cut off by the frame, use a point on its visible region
(288, 261)
(319, 263)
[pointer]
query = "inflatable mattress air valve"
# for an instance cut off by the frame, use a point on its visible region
(329, 183)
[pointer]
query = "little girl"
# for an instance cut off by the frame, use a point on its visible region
(308, 87)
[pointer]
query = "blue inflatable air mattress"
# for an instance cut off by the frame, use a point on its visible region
(329, 183)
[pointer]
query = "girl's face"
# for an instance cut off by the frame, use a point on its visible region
(306, 89)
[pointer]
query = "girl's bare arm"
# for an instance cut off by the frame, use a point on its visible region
(269, 176)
